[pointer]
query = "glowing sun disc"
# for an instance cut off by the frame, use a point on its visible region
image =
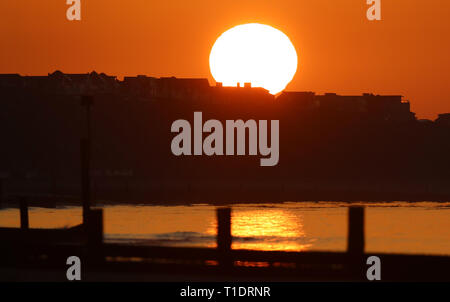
(254, 53)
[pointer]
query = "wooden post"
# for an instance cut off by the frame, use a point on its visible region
(355, 241)
(85, 150)
(224, 229)
(94, 230)
(24, 213)
(85, 179)
(87, 101)
(95, 227)
(224, 236)
(2, 192)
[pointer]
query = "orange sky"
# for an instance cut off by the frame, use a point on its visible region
(339, 49)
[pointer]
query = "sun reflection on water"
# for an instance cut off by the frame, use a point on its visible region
(266, 229)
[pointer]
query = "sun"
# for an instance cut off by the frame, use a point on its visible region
(254, 53)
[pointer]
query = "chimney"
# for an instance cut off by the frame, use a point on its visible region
(218, 84)
(248, 85)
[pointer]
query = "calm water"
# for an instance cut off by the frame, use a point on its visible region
(390, 227)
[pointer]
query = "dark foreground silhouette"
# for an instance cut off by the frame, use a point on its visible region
(40, 255)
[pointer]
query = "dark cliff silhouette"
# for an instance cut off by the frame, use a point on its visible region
(331, 147)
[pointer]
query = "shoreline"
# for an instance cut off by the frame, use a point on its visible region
(52, 201)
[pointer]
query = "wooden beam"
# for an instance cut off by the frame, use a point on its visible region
(24, 224)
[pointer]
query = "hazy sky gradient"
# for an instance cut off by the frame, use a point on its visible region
(339, 49)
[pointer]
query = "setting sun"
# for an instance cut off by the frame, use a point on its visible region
(254, 53)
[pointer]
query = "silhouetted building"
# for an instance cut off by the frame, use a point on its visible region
(9, 81)
(324, 139)
(61, 83)
(443, 119)
(375, 108)
(245, 94)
